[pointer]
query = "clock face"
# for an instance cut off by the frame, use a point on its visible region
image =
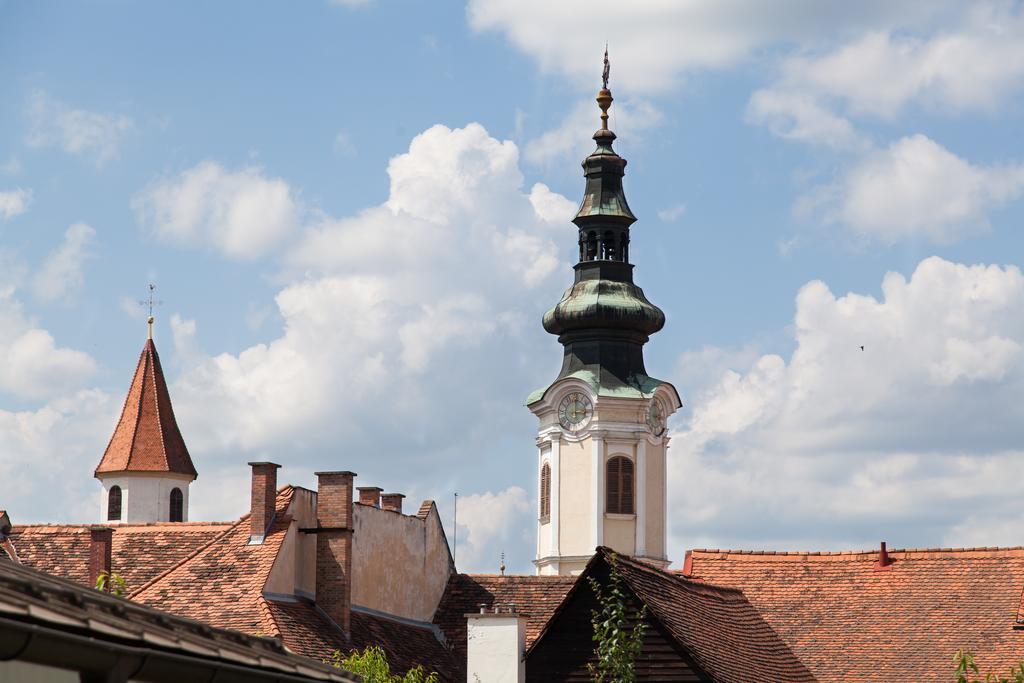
(656, 418)
(574, 411)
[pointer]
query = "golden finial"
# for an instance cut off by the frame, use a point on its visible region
(604, 98)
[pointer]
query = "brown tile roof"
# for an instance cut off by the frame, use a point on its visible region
(723, 632)
(140, 552)
(849, 620)
(536, 597)
(222, 583)
(406, 645)
(88, 630)
(147, 438)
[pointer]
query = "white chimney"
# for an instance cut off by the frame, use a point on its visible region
(495, 644)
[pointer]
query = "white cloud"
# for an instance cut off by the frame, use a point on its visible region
(241, 213)
(975, 66)
(61, 272)
(654, 42)
(672, 213)
(76, 131)
(571, 139)
(916, 189)
(14, 202)
(49, 454)
(34, 366)
(384, 307)
(11, 167)
(493, 523)
(915, 440)
(796, 115)
(343, 144)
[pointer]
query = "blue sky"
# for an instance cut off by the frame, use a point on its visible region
(356, 213)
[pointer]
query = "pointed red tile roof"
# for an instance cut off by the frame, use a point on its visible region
(147, 438)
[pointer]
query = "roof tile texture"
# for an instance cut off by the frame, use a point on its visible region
(147, 438)
(848, 620)
(222, 583)
(140, 551)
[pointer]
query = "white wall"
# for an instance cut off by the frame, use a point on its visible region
(144, 498)
(494, 648)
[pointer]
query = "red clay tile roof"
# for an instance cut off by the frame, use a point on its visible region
(140, 552)
(221, 584)
(536, 597)
(850, 621)
(147, 438)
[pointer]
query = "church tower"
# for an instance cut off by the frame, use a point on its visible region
(146, 469)
(602, 441)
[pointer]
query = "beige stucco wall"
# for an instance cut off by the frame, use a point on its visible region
(400, 563)
(294, 570)
(574, 490)
(656, 483)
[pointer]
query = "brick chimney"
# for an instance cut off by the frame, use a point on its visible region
(369, 495)
(334, 546)
(392, 501)
(101, 539)
(264, 500)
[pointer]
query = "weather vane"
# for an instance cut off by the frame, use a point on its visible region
(607, 67)
(150, 302)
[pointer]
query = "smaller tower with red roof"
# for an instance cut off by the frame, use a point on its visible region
(146, 469)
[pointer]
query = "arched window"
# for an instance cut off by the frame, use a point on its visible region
(591, 245)
(619, 482)
(176, 505)
(545, 491)
(114, 503)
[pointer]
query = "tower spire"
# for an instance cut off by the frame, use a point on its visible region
(604, 319)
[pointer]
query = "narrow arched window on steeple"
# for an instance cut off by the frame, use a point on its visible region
(619, 483)
(114, 503)
(177, 505)
(545, 492)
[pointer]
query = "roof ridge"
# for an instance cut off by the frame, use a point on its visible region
(702, 587)
(151, 349)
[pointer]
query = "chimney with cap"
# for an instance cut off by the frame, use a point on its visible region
(392, 501)
(883, 558)
(334, 546)
(495, 642)
(264, 500)
(101, 539)
(369, 495)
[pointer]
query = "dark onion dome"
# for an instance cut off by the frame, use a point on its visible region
(604, 319)
(604, 304)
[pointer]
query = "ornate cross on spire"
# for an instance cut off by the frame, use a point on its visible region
(150, 302)
(607, 68)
